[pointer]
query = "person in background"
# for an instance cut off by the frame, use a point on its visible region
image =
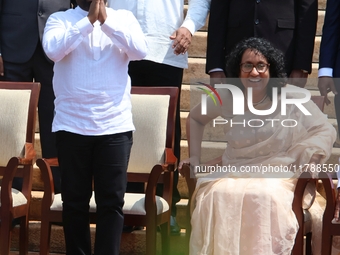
(290, 25)
(169, 36)
(237, 212)
(91, 46)
(22, 59)
(329, 59)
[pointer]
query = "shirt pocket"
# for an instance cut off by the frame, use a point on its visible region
(286, 23)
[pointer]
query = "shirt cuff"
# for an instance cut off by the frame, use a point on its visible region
(190, 25)
(325, 71)
(110, 25)
(215, 70)
(85, 27)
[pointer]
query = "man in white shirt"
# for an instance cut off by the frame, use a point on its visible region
(91, 47)
(168, 35)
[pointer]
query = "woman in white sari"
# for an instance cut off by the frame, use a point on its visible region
(250, 212)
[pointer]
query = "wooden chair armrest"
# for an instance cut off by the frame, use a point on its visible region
(301, 184)
(150, 192)
(47, 177)
(170, 160)
(29, 156)
(327, 182)
(6, 184)
(52, 161)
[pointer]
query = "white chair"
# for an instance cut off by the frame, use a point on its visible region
(151, 161)
(18, 106)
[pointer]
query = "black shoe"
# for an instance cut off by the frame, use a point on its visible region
(175, 230)
(138, 227)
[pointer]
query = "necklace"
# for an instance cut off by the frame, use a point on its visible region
(261, 101)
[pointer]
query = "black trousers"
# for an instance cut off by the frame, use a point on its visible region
(103, 159)
(39, 69)
(149, 73)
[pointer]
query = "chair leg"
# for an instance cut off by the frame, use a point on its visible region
(165, 238)
(309, 243)
(5, 236)
(326, 243)
(298, 246)
(151, 239)
(45, 234)
(188, 230)
(23, 238)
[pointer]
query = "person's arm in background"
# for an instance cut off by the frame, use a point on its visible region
(195, 124)
(328, 49)
(194, 20)
(306, 21)
(217, 33)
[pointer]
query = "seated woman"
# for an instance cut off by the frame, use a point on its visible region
(242, 211)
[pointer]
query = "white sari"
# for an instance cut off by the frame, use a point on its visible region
(251, 213)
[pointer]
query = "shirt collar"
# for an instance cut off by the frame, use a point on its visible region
(81, 11)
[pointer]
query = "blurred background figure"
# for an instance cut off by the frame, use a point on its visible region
(290, 25)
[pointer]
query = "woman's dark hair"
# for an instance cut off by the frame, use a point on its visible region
(274, 57)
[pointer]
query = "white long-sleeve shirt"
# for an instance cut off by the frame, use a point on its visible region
(90, 82)
(159, 19)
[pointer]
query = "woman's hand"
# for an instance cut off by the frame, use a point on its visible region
(191, 162)
(183, 162)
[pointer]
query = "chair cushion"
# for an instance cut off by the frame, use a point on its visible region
(150, 135)
(134, 204)
(18, 198)
(13, 122)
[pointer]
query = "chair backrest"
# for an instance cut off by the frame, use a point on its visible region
(297, 204)
(18, 106)
(153, 111)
